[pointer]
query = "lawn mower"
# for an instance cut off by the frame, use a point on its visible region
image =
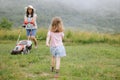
(22, 47)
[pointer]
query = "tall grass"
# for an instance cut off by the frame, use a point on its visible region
(70, 36)
(12, 34)
(91, 37)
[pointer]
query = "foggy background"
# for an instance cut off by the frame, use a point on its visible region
(88, 15)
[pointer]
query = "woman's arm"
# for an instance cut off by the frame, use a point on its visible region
(34, 19)
(25, 20)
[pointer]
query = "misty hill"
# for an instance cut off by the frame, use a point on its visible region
(91, 15)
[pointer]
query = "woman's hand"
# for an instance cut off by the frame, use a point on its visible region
(25, 22)
(32, 22)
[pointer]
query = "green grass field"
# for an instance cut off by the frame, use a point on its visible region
(83, 62)
(70, 36)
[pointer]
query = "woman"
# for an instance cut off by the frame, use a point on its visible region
(30, 24)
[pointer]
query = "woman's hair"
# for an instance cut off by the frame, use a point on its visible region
(27, 13)
(56, 25)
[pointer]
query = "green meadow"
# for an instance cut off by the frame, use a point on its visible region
(90, 56)
(72, 36)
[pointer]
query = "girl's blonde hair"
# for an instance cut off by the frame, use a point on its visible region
(56, 25)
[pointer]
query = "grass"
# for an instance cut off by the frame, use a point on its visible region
(83, 62)
(70, 36)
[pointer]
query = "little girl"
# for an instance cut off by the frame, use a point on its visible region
(54, 40)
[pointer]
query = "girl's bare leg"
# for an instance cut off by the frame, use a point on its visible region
(57, 67)
(57, 63)
(52, 63)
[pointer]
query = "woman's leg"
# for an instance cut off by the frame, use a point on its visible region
(29, 38)
(34, 40)
(28, 34)
(32, 36)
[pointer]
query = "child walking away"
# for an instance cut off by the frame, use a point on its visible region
(54, 41)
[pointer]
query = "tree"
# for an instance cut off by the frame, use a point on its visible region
(5, 24)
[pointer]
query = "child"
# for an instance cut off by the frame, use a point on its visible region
(54, 40)
(30, 24)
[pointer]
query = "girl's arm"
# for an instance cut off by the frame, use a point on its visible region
(48, 39)
(62, 35)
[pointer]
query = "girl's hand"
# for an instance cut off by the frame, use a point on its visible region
(47, 45)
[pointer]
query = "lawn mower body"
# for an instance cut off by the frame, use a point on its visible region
(23, 46)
